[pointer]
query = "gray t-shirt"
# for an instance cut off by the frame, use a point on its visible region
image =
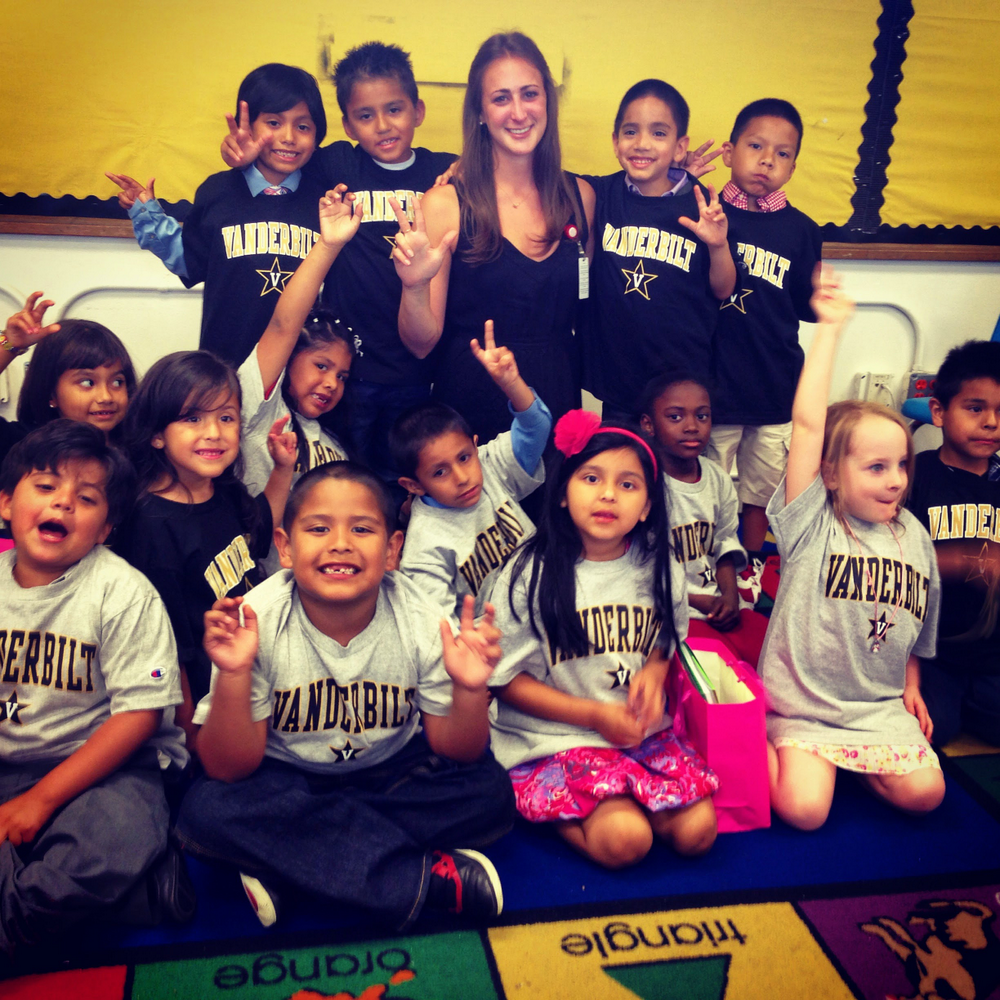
(334, 708)
(87, 646)
(452, 551)
(703, 521)
(824, 684)
(614, 601)
(258, 416)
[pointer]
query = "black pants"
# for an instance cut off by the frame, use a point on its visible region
(364, 839)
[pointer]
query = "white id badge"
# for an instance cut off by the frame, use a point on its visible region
(583, 276)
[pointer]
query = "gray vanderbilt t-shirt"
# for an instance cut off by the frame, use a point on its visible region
(451, 551)
(334, 708)
(703, 520)
(87, 646)
(614, 601)
(824, 684)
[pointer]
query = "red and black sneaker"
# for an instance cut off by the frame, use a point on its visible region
(465, 882)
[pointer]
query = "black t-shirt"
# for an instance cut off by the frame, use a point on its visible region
(195, 554)
(362, 287)
(651, 304)
(244, 249)
(756, 355)
(959, 507)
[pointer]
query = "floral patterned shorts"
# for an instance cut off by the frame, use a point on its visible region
(883, 758)
(663, 772)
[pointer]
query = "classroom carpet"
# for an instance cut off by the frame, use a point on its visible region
(874, 905)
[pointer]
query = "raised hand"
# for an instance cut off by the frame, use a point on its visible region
(467, 657)
(696, 161)
(230, 645)
(499, 362)
(240, 148)
(415, 259)
(829, 301)
(132, 190)
(282, 445)
(619, 725)
(339, 216)
(712, 225)
(25, 328)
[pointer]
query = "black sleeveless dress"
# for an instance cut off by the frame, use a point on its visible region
(533, 305)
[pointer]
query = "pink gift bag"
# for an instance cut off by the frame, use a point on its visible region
(730, 736)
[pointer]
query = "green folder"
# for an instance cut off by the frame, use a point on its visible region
(696, 674)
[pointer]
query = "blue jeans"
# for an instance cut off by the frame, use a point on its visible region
(364, 839)
(374, 409)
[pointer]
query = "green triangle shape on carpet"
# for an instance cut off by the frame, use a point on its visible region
(676, 979)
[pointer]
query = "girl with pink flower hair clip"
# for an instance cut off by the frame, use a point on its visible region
(591, 609)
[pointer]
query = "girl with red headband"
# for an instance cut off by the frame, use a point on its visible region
(591, 609)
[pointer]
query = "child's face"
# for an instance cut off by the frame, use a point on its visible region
(606, 498)
(338, 546)
(289, 139)
(448, 471)
(971, 425)
(515, 107)
(204, 443)
(647, 145)
(56, 518)
(763, 157)
(96, 396)
(681, 421)
(871, 478)
(316, 378)
(381, 119)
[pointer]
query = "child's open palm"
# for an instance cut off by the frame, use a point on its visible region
(240, 148)
(230, 645)
(415, 259)
(339, 216)
(499, 362)
(712, 226)
(470, 656)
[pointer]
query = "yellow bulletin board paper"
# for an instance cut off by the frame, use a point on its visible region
(944, 167)
(143, 90)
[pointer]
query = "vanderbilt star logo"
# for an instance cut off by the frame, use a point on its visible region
(346, 752)
(707, 576)
(880, 628)
(741, 295)
(11, 709)
(274, 278)
(637, 280)
(980, 564)
(621, 676)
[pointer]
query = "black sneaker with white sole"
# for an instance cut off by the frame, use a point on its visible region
(465, 882)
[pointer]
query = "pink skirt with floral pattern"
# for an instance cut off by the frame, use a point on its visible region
(663, 772)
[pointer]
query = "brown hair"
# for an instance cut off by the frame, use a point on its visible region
(475, 181)
(841, 420)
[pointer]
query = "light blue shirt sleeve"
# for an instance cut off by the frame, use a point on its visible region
(160, 234)
(529, 434)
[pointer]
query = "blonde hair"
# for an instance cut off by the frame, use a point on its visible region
(841, 420)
